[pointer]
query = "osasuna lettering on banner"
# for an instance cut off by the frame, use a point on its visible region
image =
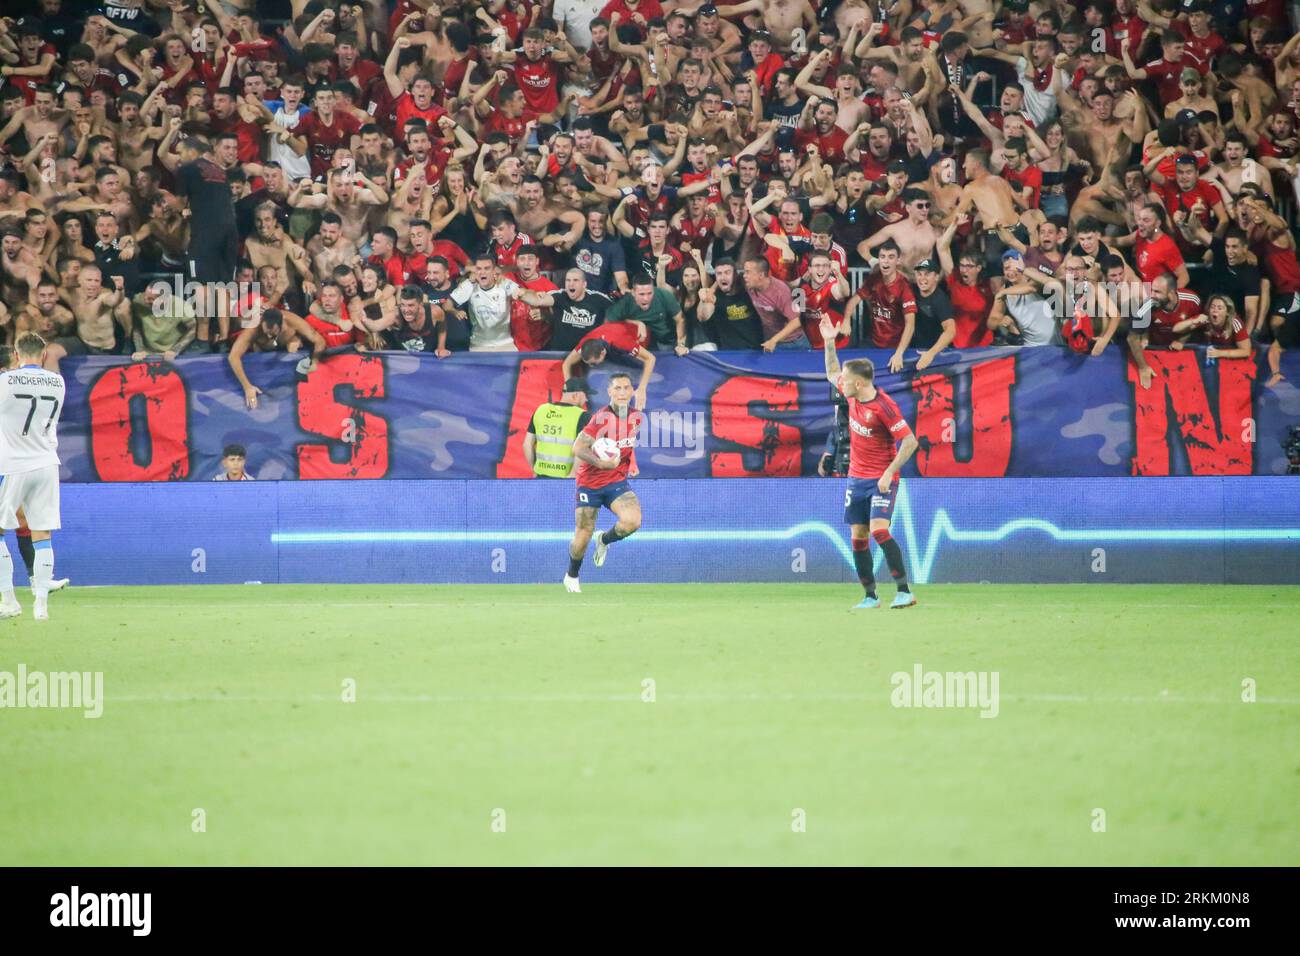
(1214, 435)
(978, 413)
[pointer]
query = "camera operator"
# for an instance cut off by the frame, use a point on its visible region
(834, 462)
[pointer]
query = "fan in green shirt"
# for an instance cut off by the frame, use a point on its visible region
(658, 309)
(162, 324)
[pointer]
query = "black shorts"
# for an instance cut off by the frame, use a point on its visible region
(213, 260)
(1287, 330)
(75, 346)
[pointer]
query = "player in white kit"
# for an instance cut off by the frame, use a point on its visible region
(31, 399)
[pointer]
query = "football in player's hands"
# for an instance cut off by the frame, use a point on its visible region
(606, 449)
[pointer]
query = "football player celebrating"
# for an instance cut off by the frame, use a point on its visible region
(605, 450)
(875, 426)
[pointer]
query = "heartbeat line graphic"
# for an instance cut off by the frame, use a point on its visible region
(921, 555)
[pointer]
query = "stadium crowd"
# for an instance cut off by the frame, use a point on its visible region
(518, 175)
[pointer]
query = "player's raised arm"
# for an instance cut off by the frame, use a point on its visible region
(828, 331)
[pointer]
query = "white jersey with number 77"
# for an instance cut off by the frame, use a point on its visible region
(31, 400)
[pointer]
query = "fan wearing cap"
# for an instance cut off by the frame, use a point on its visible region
(1020, 314)
(1193, 101)
(554, 427)
(1168, 70)
(935, 325)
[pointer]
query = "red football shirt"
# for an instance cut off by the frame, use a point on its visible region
(820, 300)
(1229, 337)
(539, 80)
(405, 109)
(28, 84)
(250, 136)
(498, 122)
(890, 303)
(1279, 263)
(830, 145)
(505, 255)
(607, 423)
(970, 310)
(626, 336)
(363, 72)
(1204, 48)
(875, 427)
(698, 235)
(323, 139)
(1175, 199)
(332, 334)
(1153, 258)
(1030, 176)
(1167, 75)
(530, 335)
(1161, 333)
(781, 269)
(649, 9)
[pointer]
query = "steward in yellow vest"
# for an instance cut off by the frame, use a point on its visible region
(548, 446)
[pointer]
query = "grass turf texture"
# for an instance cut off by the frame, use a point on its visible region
(768, 698)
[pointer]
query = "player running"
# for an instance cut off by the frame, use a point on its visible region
(31, 399)
(603, 481)
(875, 424)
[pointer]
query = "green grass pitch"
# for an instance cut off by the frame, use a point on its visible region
(490, 706)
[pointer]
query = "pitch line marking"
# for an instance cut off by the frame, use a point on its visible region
(978, 605)
(665, 698)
